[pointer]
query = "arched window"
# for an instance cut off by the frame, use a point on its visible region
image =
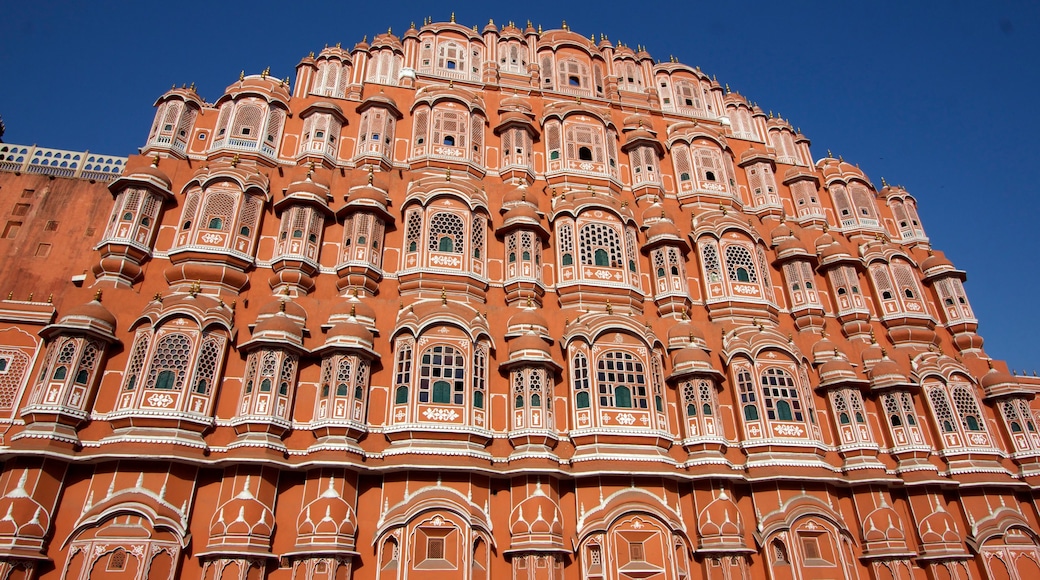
(621, 381)
(447, 233)
(442, 372)
(581, 381)
(170, 362)
(747, 395)
(403, 373)
(780, 396)
(740, 266)
(596, 238)
(584, 154)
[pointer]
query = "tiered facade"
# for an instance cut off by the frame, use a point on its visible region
(491, 304)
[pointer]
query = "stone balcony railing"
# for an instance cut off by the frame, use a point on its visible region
(60, 163)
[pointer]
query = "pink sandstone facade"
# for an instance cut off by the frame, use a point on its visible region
(493, 304)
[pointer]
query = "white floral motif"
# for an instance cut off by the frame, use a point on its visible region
(626, 418)
(157, 400)
(440, 414)
(790, 430)
(212, 238)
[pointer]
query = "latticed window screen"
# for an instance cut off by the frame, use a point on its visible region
(441, 376)
(566, 237)
(413, 230)
(967, 408)
(842, 205)
(552, 139)
(547, 72)
(479, 228)
(1018, 417)
(137, 356)
(173, 355)
(780, 396)
(190, 207)
(205, 372)
(247, 121)
(600, 246)
(879, 272)
(343, 377)
(449, 128)
(941, 407)
(748, 398)
(710, 258)
(906, 280)
(274, 125)
(621, 381)
(573, 74)
(479, 376)
(422, 123)
(447, 233)
(250, 213)
(476, 138)
(630, 248)
(740, 267)
(219, 206)
(804, 195)
(581, 137)
(10, 381)
(864, 201)
(580, 373)
(403, 372)
(710, 166)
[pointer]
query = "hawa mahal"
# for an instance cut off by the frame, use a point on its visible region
(490, 303)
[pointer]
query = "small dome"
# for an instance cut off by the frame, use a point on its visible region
(529, 343)
(353, 307)
(152, 172)
(528, 318)
(663, 229)
(515, 103)
(92, 310)
(683, 333)
(833, 250)
(995, 378)
(290, 309)
(936, 261)
(653, 213)
(780, 232)
(824, 241)
(886, 372)
(837, 370)
(278, 323)
(790, 246)
(351, 331)
(690, 356)
(310, 185)
(367, 194)
(521, 212)
(277, 328)
(824, 350)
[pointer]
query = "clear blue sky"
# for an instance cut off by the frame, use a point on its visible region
(937, 96)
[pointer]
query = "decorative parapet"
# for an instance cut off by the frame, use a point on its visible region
(60, 163)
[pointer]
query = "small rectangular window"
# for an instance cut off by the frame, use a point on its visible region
(28, 193)
(43, 250)
(11, 230)
(635, 552)
(51, 226)
(435, 548)
(21, 209)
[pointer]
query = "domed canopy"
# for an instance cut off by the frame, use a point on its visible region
(91, 318)
(277, 330)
